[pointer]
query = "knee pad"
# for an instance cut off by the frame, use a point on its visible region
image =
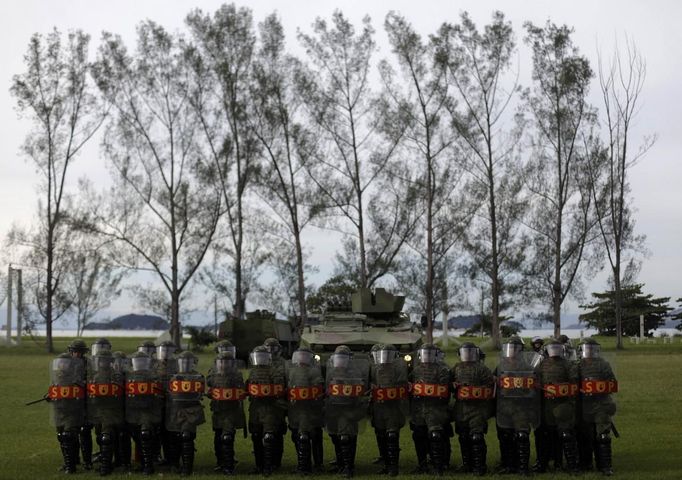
(227, 437)
(85, 429)
(344, 439)
(567, 436)
(604, 437)
(146, 434)
(521, 436)
(187, 436)
(392, 435)
(304, 437)
(105, 439)
(477, 437)
(436, 435)
(268, 438)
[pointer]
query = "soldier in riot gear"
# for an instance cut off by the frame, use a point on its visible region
(67, 399)
(227, 391)
(569, 351)
(141, 407)
(103, 405)
(537, 343)
(275, 349)
(558, 380)
(381, 441)
(305, 391)
(223, 346)
(165, 365)
(430, 395)
(184, 411)
(123, 450)
(474, 390)
(390, 402)
(266, 388)
(597, 384)
(346, 384)
(147, 347)
(517, 405)
(77, 349)
(100, 345)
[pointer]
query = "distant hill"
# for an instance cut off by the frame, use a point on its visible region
(463, 321)
(131, 321)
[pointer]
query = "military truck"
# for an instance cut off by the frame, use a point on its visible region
(370, 317)
(251, 331)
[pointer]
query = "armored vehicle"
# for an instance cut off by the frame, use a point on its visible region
(248, 333)
(370, 317)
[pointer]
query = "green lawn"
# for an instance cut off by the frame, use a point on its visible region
(649, 419)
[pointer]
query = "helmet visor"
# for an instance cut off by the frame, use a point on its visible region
(228, 349)
(590, 350)
(340, 360)
(98, 348)
(164, 352)
(469, 354)
(301, 357)
(62, 364)
(554, 350)
(223, 365)
(148, 349)
(509, 350)
(142, 363)
(384, 356)
(427, 355)
(260, 358)
(185, 365)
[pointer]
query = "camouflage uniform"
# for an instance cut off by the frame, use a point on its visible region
(184, 411)
(164, 365)
(430, 394)
(223, 346)
(227, 390)
(381, 441)
(278, 364)
(305, 391)
(558, 379)
(597, 383)
(346, 404)
(266, 387)
(67, 400)
(123, 451)
(143, 416)
(390, 402)
(474, 387)
(78, 349)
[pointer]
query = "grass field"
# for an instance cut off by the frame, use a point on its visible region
(649, 420)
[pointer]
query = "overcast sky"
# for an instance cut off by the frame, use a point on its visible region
(653, 25)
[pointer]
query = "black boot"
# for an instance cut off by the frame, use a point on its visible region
(465, 449)
(421, 447)
(392, 453)
(337, 464)
(257, 442)
(522, 444)
(318, 450)
(543, 447)
(106, 451)
(226, 451)
(570, 447)
(303, 453)
(187, 453)
(69, 447)
(586, 446)
(269, 451)
(603, 454)
(380, 436)
(437, 451)
(85, 440)
(479, 452)
(347, 447)
(172, 447)
(507, 450)
(278, 451)
(217, 449)
(123, 448)
(147, 447)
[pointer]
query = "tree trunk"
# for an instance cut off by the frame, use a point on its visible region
(429, 256)
(619, 303)
(48, 290)
(303, 315)
(495, 284)
(175, 317)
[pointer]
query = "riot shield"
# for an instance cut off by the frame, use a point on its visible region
(305, 393)
(347, 401)
(518, 396)
(390, 395)
(184, 411)
(142, 397)
(474, 392)
(227, 392)
(104, 391)
(67, 392)
(598, 384)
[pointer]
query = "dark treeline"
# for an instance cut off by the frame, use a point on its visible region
(447, 179)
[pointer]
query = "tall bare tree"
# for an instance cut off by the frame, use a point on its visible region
(562, 220)
(478, 64)
(420, 105)
(164, 205)
(55, 92)
(222, 56)
(621, 82)
(354, 152)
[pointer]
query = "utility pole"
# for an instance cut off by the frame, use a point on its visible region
(9, 304)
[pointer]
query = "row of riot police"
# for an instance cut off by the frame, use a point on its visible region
(155, 398)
